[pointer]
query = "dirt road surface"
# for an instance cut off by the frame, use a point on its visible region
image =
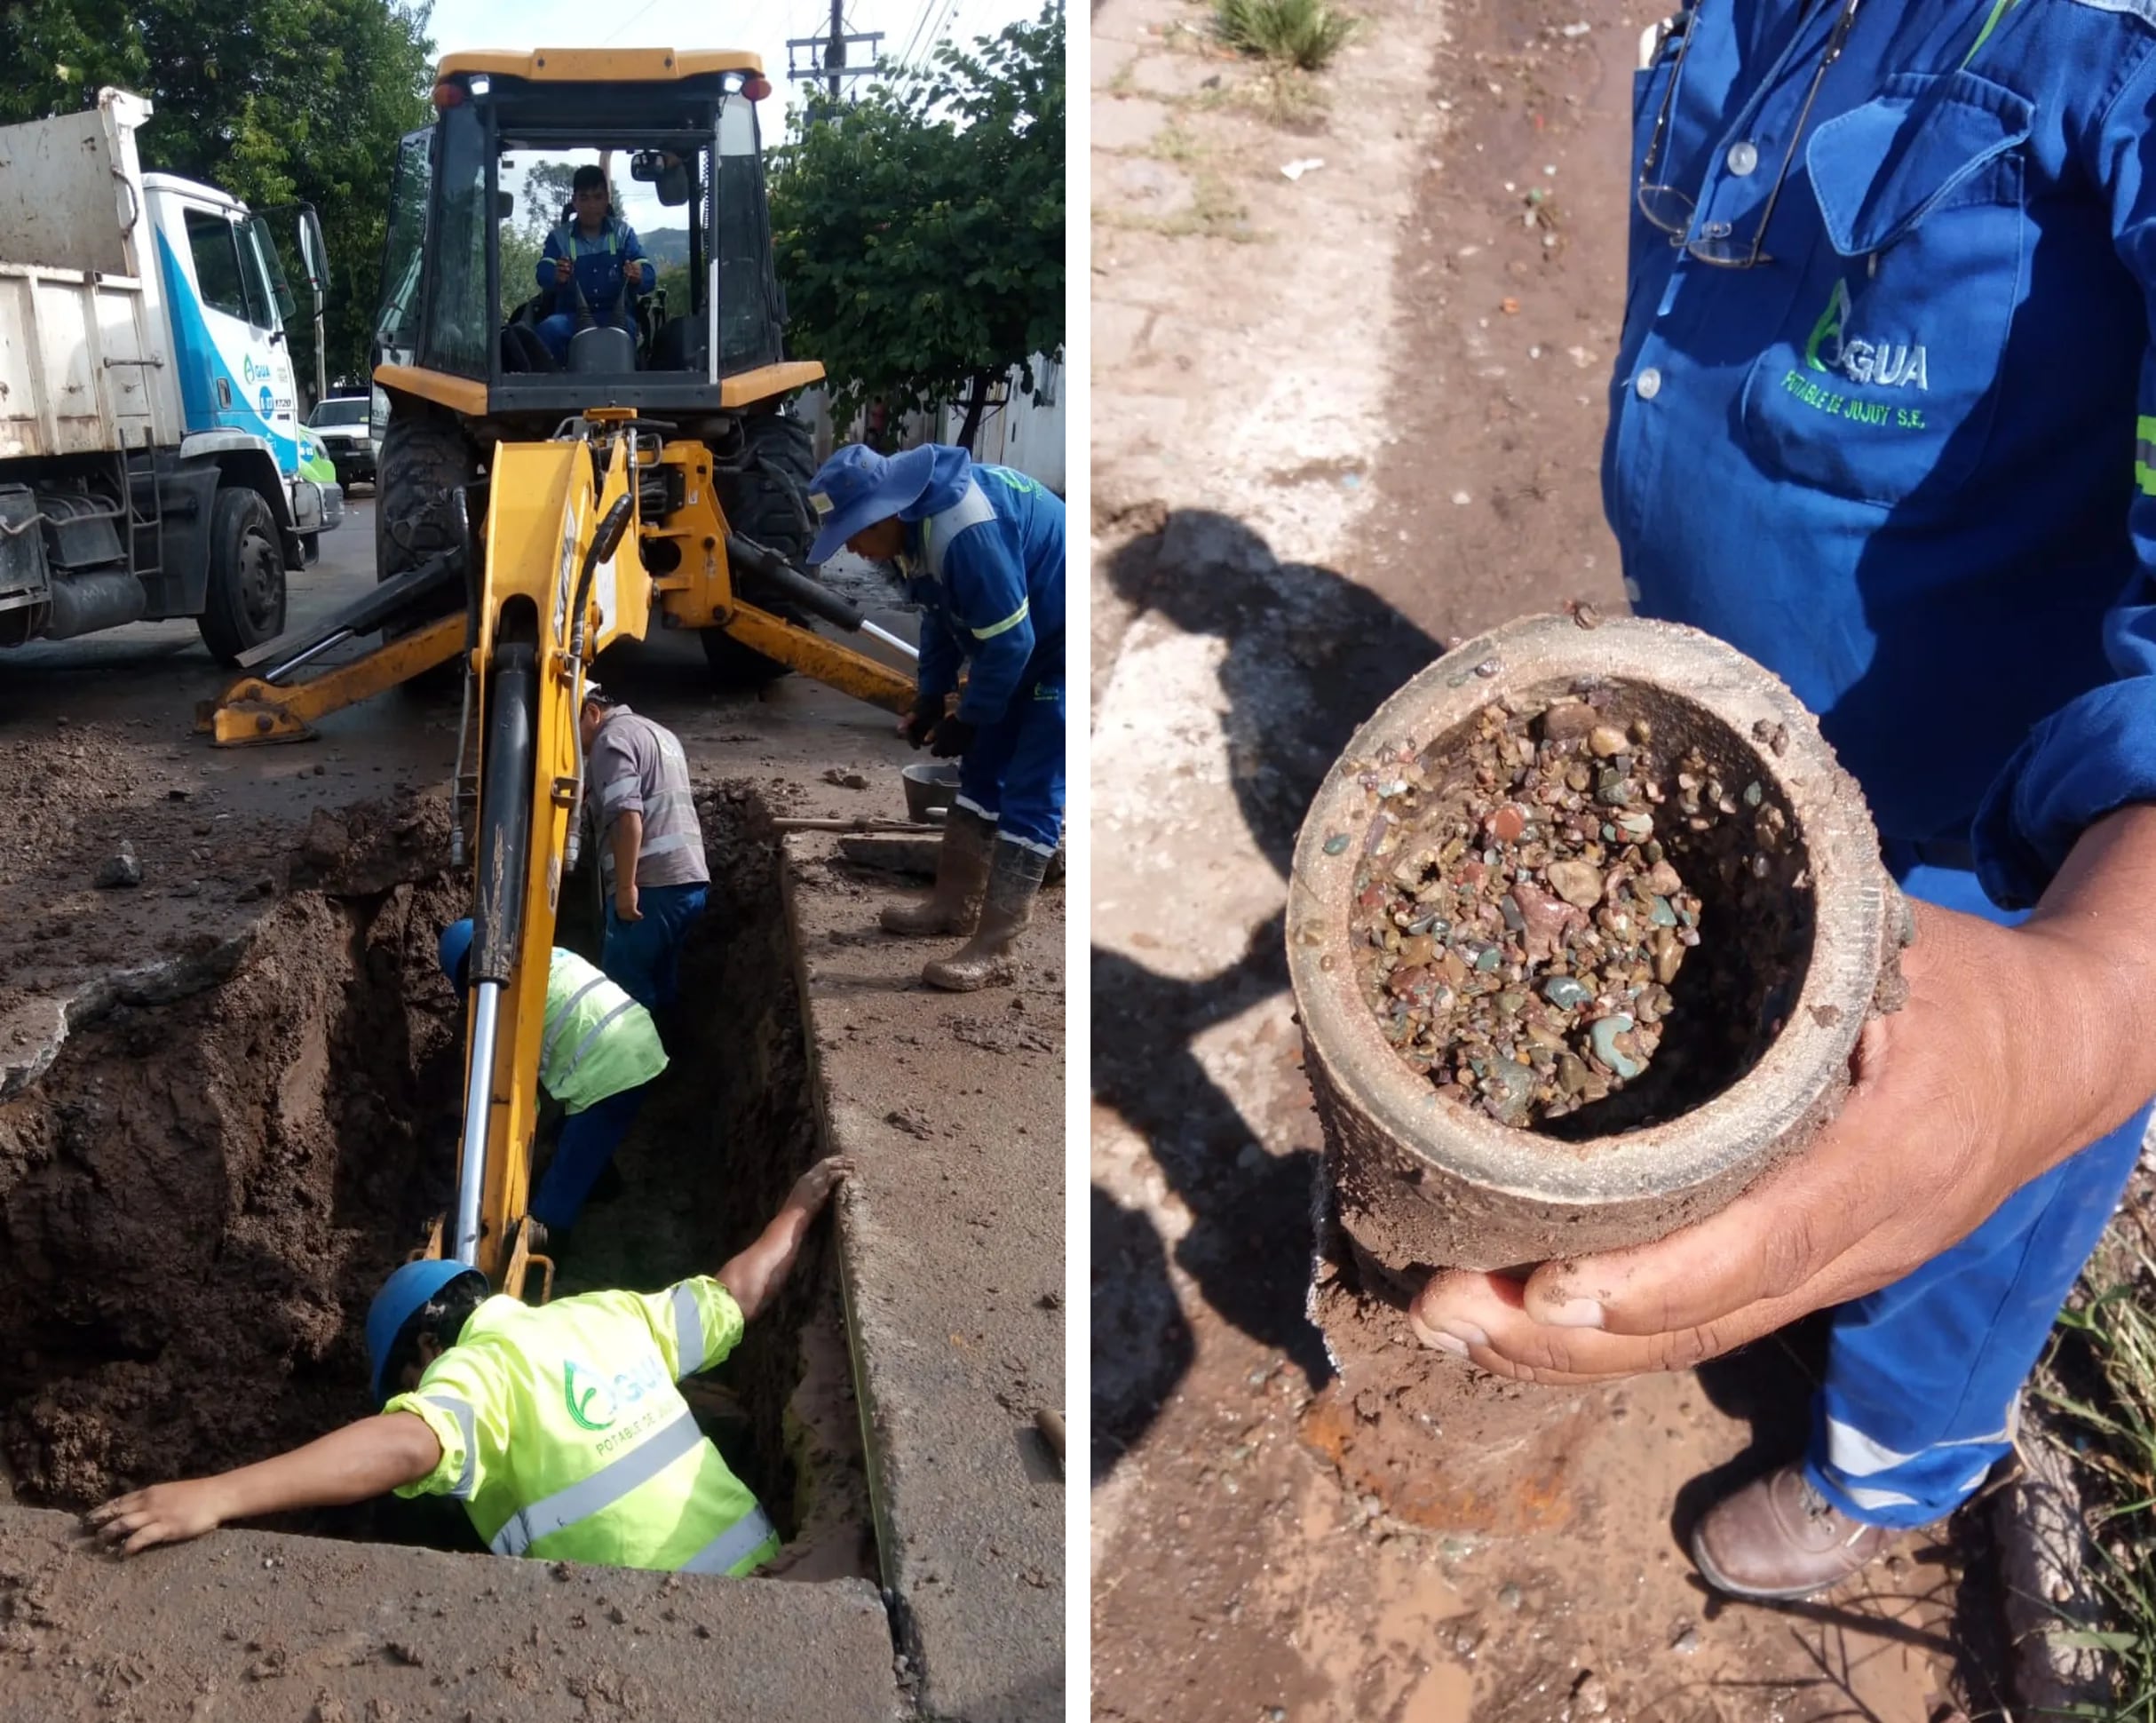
(228, 1099)
(1340, 416)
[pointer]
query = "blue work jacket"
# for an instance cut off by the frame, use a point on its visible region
(984, 560)
(1909, 461)
(601, 265)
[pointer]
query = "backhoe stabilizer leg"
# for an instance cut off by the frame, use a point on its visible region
(825, 661)
(253, 711)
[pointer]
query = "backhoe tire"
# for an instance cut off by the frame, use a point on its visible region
(426, 457)
(245, 605)
(766, 499)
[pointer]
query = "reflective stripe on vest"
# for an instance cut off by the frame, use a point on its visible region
(604, 1488)
(557, 1025)
(593, 1033)
(466, 1423)
(597, 1041)
(566, 235)
(938, 529)
(736, 1543)
(688, 1333)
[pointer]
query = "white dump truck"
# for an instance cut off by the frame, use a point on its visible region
(152, 460)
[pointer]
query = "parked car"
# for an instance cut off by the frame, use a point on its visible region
(341, 424)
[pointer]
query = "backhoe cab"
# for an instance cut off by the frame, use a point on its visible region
(721, 522)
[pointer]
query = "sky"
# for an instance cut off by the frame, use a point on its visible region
(763, 28)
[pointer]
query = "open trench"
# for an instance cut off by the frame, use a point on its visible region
(198, 1199)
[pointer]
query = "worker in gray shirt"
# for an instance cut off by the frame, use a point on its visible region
(650, 847)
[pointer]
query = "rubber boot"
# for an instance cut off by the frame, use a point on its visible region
(1013, 884)
(961, 875)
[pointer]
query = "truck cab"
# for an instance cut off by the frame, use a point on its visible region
(149, 422)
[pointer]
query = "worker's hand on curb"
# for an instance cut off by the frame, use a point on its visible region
(163, 1513)
(954, 736)
(625, 901)
(812, 1189)
(1997, 1070)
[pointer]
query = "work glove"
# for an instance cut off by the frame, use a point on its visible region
(953, 737)
(927, 714)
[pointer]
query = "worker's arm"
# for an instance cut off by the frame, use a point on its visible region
(625, 843)
(550, 260)
(988, 598)
(759, 1271)
(361, 1460)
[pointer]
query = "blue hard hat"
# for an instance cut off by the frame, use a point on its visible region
(456, 946)
(857, 487)
(403, 1295)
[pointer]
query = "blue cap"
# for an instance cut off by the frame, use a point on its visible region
(456, 947)
(857, 487)
(403, 1295)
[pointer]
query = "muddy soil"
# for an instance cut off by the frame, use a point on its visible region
(201, 1197)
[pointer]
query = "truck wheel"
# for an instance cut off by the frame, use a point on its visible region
(425, 457)
(245, 605)
(765, 498)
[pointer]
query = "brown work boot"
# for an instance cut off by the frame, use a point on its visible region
(1779, 1537)
(1013, 884)
(961, 875)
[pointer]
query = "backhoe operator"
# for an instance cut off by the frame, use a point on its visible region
(598, 251)
(557, 1426)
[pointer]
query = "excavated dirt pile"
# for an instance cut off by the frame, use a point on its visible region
(199, 1198)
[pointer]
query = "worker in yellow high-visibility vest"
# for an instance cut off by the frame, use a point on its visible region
(559, 1426)
(598, 1053)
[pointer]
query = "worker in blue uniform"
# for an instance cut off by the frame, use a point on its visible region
(981, 548)
(1884, 415)
(597, 250)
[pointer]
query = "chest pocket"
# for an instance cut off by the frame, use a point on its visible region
(1884, 381)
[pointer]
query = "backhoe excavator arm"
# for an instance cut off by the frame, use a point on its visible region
(559, 581)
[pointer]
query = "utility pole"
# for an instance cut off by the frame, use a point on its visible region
(825, 57)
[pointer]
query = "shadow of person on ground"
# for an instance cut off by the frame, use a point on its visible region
(1308, 657)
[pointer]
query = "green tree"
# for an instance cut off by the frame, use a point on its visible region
(919, 232)
(274, 102)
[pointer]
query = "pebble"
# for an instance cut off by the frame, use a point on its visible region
(1604, 1035)
(1578, 882)
(1564, 992)
(1511, 1596)
(1686, 1643)
(119, 869)
(1523, 911)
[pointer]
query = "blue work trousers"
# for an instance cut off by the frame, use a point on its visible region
(1922, 1376)
(1013, 772)
(586, 1144)
(644, 956)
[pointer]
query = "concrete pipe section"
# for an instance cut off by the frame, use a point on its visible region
(1798, 929)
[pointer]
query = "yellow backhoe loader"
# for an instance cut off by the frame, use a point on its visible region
(533, 510)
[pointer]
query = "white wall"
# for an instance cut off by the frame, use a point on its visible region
(1026, 433)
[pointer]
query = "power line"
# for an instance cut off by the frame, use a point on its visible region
(633, 17)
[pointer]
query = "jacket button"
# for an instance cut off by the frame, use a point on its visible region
(1742, 159)
(1648, 384)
